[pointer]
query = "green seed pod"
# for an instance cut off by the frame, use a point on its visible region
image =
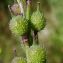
(36, 54)
(18, 25)
(37, 20)
(19, 60)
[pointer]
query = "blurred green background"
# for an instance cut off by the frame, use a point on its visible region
(51, 36)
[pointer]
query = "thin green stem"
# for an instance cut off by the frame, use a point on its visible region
(38, 6)
(28, 13)
(24, 5)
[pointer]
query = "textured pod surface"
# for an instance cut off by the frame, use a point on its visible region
(36, 54)
(18, 25)
(37, 21)
(19, 60)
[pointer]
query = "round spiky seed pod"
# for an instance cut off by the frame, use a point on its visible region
(19, 60)
(38, 20)
(18, 25)
(36, 54)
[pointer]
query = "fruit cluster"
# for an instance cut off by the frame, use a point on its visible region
(22, 24)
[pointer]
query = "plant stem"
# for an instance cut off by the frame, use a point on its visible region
(38, 6)
(28, 13)
(35, 38)
(24, 5)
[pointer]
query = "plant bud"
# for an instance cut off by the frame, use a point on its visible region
(19, 60)
(37, 20)
(18, 25)
(36, 54)
(16, 9)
